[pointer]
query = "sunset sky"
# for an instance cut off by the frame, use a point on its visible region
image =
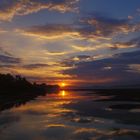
(83, 42)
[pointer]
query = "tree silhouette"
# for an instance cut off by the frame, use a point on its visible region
(12, 85)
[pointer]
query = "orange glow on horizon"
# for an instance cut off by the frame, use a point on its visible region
(63, 84)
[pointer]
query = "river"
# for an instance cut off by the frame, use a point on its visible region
(70, 115)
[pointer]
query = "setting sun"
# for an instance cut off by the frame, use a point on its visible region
(63, 84)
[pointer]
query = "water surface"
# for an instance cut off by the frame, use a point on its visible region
(71, 115)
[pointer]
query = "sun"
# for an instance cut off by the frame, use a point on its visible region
(63, 84)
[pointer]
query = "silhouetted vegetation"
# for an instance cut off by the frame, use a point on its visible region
(16, 90)
(12, 85)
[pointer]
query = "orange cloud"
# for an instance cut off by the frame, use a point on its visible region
(25, 7)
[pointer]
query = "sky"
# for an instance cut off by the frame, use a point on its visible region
(79, 42)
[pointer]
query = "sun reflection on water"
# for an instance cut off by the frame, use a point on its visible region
(63, 93)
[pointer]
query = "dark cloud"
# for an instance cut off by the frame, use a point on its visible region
(88, 27)
(9, 59)
(7, 65)
(135, 42)
(97, 25)
(76, 59)
(53, 30)
(35, 66)
(116, 68)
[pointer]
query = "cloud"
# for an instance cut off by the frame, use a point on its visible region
(35, 66)
(2, 30)
(7, 66)
(4, 52)
(96, 25)
(120, 69)
(84, 48)
(135, 42)
(52, 53)
(105, 27)
(134, 68)
(10, 9)
(9, 59)
(91, 27)
(50, 31)
(76, 59)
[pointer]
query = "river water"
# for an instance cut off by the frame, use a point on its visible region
(70, 115)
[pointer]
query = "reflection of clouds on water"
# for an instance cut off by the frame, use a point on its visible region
(8, 119)
(57, 132)
(100, 110)
(71, 133)
(69, 116)
(105, 134)
(35, 112)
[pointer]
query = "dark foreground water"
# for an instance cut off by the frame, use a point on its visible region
(72, 115)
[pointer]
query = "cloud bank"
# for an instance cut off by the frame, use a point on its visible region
(10, 9)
